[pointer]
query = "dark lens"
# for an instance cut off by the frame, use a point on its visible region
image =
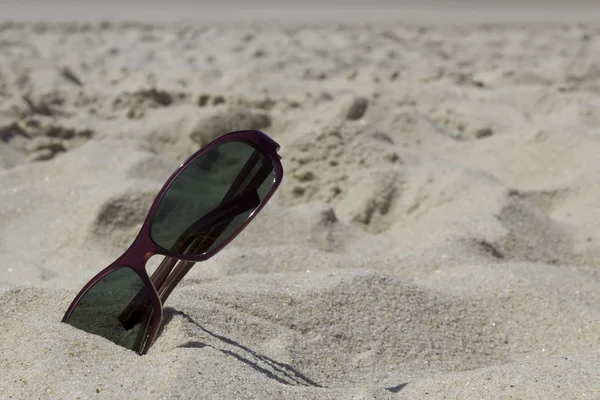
(211, 198)
(102, 309)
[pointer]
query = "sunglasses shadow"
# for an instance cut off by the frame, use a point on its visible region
(281, 372)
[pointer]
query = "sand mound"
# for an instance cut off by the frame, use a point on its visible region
(435, 234)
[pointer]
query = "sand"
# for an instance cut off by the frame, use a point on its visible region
(436, 234)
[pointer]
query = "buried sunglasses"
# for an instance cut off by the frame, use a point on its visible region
(205, 203)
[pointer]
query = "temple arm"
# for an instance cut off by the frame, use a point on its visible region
(204, 228)
(198, 238)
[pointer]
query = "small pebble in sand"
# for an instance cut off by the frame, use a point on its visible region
(357, 108)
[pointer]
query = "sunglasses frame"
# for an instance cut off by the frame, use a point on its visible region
(144, 247)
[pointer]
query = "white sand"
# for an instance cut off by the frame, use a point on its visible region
(436, 234)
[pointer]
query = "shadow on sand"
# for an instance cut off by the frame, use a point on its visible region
(275, 370)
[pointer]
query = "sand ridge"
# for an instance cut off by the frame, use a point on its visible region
(435, 235)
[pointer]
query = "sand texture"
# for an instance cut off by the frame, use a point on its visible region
(436, 235)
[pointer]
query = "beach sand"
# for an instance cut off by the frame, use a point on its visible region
(436, 234)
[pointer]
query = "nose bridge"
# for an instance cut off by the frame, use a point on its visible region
(140, 251)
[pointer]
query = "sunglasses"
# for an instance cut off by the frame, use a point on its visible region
(202, 207)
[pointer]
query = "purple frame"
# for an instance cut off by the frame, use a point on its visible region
(143, 247)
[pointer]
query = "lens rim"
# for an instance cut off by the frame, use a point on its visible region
(257, 139)
(141, 272)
